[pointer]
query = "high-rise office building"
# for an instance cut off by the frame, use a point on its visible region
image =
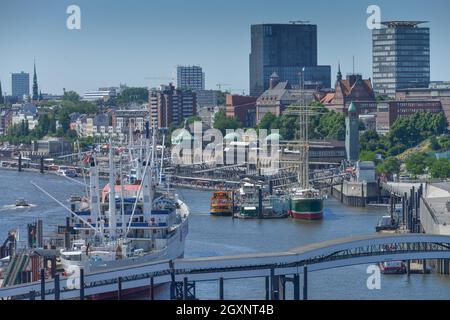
(20, 84)
(285, 49)
(168, 105)
(190, 77)
(401, 56)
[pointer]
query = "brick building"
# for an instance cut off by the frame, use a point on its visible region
(352, 89)
(168, 105)
(241, 107)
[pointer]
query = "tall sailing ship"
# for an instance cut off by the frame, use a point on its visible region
(306, 202)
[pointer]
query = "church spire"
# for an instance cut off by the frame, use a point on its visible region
(35, 85)
(1, 94)
(339, 74)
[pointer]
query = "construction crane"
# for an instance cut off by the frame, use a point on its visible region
(299, 22)
(159, 78)
(220, 85)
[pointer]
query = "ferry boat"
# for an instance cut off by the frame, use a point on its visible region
(222, 204)
(125, 225)
(306, 204)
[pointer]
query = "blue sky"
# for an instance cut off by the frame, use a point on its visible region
(127, 41)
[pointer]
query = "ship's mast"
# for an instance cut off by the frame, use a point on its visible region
(147, 181)
(112, 194)
(139, 161)
(303, 172)
(122, 195)
(94, 193)
(162, 160)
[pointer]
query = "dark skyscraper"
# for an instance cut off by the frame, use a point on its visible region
(285, 49)
(401, 57)
(35, 85)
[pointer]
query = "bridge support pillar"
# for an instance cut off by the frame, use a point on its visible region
(274, 285)
(408, 267)
(119, 288)
(445, 266)
(188, 289)
(282, 287)
(152, 288)
(19, 166)
(305, 283)
(267, 288)
(296, 287)
(424, 266)
(81, 284)
(221, 289)
(42, 284)
(41, 165)
(57, 288)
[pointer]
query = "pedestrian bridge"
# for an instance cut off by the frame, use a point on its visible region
(320, 256)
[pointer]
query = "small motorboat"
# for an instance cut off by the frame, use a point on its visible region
(22, 203)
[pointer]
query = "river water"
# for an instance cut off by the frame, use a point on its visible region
(212, 236)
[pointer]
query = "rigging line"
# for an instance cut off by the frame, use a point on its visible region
(75, 181)
(139, 193)
(82, 169)
(63, 205)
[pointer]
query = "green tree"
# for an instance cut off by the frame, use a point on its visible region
(221, 98)
(440, 169)
(368, 156)
(389, 166)
(434, 143)
(267, 121)
(332, 126)
(417, 163)
(222, 122)
(130, 95)
(444, 142)
(71, 96)
(64, 120)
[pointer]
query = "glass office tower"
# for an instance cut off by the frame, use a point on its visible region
(401, 57)
(284, 49)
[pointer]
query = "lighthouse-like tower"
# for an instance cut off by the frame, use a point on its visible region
(352, 133)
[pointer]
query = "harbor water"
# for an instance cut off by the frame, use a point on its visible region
(214, 236)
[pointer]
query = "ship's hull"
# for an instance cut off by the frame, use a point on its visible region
(221, 213)
(174, 250)
(306, 208)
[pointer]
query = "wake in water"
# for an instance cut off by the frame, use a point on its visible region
(14, 207)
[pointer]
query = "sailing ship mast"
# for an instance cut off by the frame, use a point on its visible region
(112, 221)
(303, 172)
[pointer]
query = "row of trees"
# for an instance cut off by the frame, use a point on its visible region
(324, 124)
(421, 163)
(405, 133)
